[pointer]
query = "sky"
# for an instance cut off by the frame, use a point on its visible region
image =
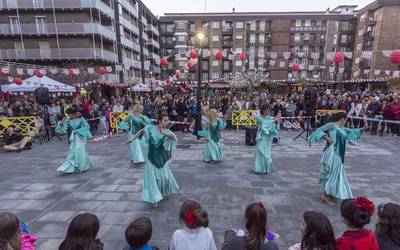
(159, 7)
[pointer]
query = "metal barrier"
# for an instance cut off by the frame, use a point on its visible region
(243, 118)
(25, 124)
(116, 118)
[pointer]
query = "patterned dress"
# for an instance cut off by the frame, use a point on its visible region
(332, 177)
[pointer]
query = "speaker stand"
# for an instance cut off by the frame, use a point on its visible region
(307, 130)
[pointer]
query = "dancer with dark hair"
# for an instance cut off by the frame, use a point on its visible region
(317, 233)
(82, 233)
(388, 226)
(266, 129)
(256, 235)
(195, 233)
(332, 178)
(159, 181)
(356, 213)
(78, 158)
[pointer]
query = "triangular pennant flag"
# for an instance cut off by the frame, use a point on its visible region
(282, 64)
(272, 62)
(330, 56)
(315, 55)
(387, 53)
(387, 72)
(366, 54)
(30, 71)
(5, 70)
(90, 70)
(396, 73)
(377, 72)
(20, 71)
(53, 71)
(109, 69)
(76, 71)
(10, 79)
(331, 69)
(66, 71)
(231, 57)
(366, 71)
(311, 67)
(341, 70)
(118, 68)
(273, 55)
(300, 54)
(286, 55)
(349, 55)
(225, 53)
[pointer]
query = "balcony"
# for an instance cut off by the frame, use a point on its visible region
(308, 29)
(129, 43)
(154, 43)
(111, 77)
(145, 52)
(365, 64)
(137, 64)
(155, 56)
(129, 7)
(128, 61)
(153, 29)
(59, 28)
(129, 25)
(58, 54)
(70, 4)
(145, 37)
(345, 43)
(144, 20)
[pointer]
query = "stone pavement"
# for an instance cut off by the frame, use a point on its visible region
(31, 187)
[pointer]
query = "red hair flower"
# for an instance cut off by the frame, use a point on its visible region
(261, 205)
(190, 219)
(363, 204)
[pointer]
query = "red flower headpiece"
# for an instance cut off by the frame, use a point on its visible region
(261, 205)
(190, 219)
(363, 204)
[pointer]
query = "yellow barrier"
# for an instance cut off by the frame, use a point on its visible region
(323, 112)
(116, 118)
(25, 124)
(243, 118)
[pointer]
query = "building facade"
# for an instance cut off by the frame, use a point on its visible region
(81, 34)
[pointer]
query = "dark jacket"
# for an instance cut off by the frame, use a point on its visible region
(386, 244)
(234, 242)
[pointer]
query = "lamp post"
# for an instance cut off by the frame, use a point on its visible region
(200, 40)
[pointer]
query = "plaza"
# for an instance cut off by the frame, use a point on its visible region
(47, 200)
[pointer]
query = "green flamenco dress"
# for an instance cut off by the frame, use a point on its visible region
(332, 177)
(138, 147)
(78, 159)
(158, 179)
(266, 129)
(213, 151)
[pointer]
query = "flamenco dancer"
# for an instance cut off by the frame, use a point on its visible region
(212, 134)
(136, 121)
(78, 159)
(332, 178)
(266, 129)
(158, 179)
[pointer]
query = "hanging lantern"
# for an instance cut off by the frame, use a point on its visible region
(18, 81)
(38, 73)
(395, 57)
(71, 73)
(218, 55)
(193, 54)
(242, 56)
(177, 75)
(182, 70)
(338, 58)
(164, 61)
(102, 70)
(295, 68)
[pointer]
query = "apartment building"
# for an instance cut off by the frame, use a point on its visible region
(378, 30)
(81, 34)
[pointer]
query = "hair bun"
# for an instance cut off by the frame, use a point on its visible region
(361, 218)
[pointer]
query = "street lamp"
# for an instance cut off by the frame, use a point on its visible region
(200, 40)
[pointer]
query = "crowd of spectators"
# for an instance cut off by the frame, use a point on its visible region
(315, 228)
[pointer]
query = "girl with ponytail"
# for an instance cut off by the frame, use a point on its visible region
(195, 233)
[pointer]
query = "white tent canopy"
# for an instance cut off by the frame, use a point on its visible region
(144, 88)
(32, 83)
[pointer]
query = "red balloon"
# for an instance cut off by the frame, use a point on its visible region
(338, 58)
(243, 56)
(102, 70)
(18, 81)
(395, 57)
(218, 55)
(193, 54)
(164, 61)
(167, 81)
(38, 73)
(177, 75)
(71, 73)
(182, 70)
(189, 65)
(295, 68)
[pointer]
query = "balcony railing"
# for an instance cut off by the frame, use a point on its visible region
(155, 56)
(154, 43)
(144, 20)
(129, 25)
(309, 29)
(129, 43)
(58, 54)
(58, 28)
(145, 52)
(153, 29)
(145, 37)
(129, 7)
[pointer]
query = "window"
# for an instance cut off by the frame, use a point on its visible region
(239, 50)
(239, 37)
(261, 39)
(226, 65)
(297, 37)
(15, 25)
(307, 23)
(19, 49)
(41, 26)
(344, 38)
(226, 76)
(306, 36)
(170, 28)
(262, 26)
(319, 23)
(215, 38)
(251, 64)
(239, 25)
(192, 27)
(238, 63)
(215, 75)
(38, 4)
(181, 25)
(359, 46)
(205, 65)
(215, 25)
(215, 63)
(45, 49)
(181, 38)
(205, 77)
(253, 26)
(252, 38)
(252, 51)
(298, 23)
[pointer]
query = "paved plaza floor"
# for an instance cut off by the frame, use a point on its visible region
(31, 187)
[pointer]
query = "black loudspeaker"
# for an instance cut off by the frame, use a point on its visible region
(310, 100)
(250, 136)
(42, 96)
